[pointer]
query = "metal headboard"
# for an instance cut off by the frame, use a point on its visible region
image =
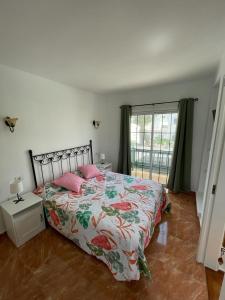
(70, 155)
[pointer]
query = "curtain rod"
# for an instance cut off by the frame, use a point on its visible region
(195, 100)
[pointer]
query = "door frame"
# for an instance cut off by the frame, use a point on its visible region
(212, 176)
(222, 291)
(217, 224)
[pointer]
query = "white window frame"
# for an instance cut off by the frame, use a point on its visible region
(153, 109)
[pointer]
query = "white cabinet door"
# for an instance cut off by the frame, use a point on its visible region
(28, 223)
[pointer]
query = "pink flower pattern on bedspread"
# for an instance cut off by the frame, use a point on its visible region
(112, 218)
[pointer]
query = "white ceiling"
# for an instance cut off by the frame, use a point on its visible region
(103, 45)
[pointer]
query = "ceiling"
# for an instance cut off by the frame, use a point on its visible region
(104, 45)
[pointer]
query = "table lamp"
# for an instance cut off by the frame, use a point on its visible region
(16, 187)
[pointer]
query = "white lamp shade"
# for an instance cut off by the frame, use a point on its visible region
(16, 186)
(102, 156)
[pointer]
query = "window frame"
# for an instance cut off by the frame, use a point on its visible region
(152, 111)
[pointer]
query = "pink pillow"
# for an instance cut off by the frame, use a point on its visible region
(70, 182)
(89, 171)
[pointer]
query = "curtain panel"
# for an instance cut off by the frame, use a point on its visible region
(180, 172)
(124, 165)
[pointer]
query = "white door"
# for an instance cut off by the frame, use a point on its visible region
(217, 224)
(214, 212)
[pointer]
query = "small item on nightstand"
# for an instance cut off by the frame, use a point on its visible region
(16, 187)
(102, 158)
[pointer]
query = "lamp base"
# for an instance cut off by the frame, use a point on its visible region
(19, 198)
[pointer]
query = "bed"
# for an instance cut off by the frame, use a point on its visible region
(113, 216)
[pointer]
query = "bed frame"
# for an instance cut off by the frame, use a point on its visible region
(66, 160)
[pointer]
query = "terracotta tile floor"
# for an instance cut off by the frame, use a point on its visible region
(51, 267)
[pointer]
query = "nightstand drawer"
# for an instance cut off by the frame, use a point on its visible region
(28, 223)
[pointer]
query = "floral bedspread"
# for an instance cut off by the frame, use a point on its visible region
(113, 218)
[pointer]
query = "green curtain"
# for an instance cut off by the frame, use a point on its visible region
(180, 172)
(124, 165)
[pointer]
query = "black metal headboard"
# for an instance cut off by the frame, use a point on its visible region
(68, 158)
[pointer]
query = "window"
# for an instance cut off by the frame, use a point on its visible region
(152, 143)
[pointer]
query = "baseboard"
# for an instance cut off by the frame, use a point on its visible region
(191, 193)
(222, 268)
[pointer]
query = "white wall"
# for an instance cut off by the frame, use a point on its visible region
(51, 116)
(110, 111)
(221, 68)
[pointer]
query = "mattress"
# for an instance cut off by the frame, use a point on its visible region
(113, 218)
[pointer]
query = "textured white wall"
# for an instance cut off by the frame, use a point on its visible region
(51, 116)
(110, 115)
(221, 68)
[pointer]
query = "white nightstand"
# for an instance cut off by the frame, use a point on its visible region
(107, 166)
(25, 219)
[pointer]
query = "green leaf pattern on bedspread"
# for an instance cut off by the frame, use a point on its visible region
(83, 218)
(111, 192)
(131, 216)
(112, 218)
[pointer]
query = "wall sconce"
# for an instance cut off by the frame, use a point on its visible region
(11, 123)
(96, 124)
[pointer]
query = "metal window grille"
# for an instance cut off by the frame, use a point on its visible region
(152, 143)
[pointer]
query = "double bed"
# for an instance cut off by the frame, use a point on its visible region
(112, 217)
